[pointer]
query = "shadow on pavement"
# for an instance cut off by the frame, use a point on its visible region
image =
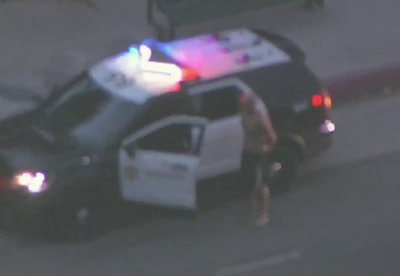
(26, 231)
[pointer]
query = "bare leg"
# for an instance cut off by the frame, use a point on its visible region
(263, 200)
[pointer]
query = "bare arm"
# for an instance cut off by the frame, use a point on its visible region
(273, 138)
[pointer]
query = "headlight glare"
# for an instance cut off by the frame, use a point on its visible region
(35, 182)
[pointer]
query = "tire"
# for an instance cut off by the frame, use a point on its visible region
(282, 167)
(80, 224)
(72, 222)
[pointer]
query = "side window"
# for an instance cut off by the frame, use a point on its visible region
(219, 103)
(175, 138)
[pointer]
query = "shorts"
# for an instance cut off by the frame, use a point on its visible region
(255, 168)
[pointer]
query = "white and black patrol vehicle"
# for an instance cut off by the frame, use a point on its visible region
(150, 124)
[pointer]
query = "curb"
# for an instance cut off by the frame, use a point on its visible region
(367, 83)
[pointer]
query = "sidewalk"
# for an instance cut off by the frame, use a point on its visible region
(38, 35)
(346, 37)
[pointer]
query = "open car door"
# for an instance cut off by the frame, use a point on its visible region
(158, 164)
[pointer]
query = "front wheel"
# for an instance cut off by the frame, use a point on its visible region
(282, 167)
(72, 221)
(80, 224)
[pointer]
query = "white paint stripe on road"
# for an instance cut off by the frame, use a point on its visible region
(258, 264)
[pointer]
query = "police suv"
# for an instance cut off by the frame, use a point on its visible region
(150, 124)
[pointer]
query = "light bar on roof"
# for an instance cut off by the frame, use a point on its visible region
(128, 61)
(133, 50)
(145, 52)
(174, 72)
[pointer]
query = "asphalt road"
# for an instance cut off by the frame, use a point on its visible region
(341, 218)
(351, 228)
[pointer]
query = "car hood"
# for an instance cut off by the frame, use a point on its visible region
(13, 160)
(35, 150)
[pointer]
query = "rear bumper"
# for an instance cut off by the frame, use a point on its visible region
(327, 127)
(321, 140)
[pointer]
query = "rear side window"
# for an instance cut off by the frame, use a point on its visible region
(284, 84)
(218, 103)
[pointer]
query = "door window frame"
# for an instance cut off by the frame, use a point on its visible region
(131, 140)
(211, 87)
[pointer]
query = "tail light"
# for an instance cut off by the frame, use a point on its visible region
(322, 99)
(189, 74)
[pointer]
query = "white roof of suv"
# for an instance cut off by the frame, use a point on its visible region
(134, 75)
(225, 53)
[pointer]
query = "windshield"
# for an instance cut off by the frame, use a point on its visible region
(85, 111)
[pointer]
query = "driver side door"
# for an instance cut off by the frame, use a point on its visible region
(158, 165)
